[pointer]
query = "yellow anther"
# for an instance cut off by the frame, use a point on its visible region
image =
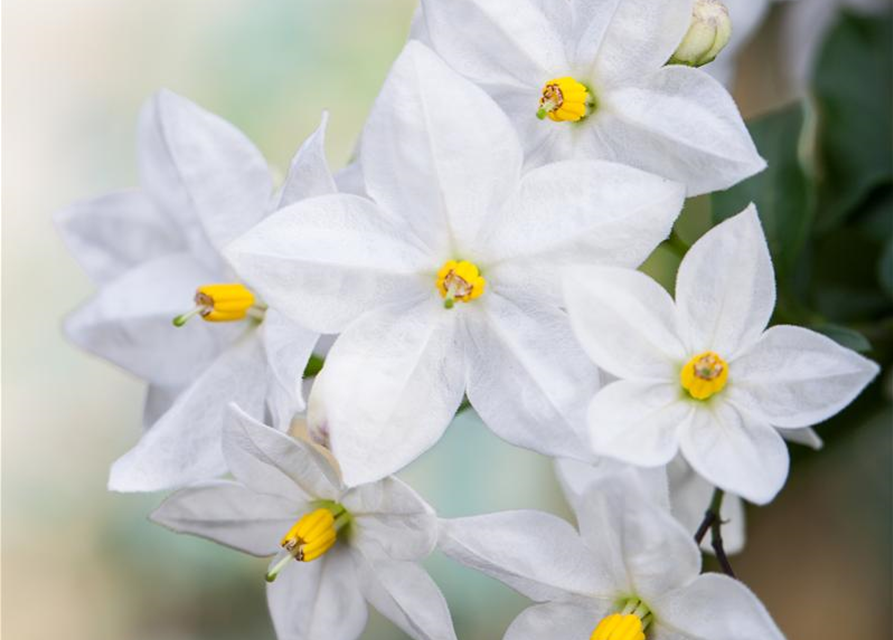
(564, 100)
(704, 375)
(311, 536)
(459, 281)
(619, 626)
(220, 303)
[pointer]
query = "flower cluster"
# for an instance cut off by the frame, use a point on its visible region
(522, 160)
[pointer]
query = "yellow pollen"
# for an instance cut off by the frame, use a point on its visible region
(564, 100)
(311, 536)
(459, 281)
(220, 303)
(704, 375)
(619, 626)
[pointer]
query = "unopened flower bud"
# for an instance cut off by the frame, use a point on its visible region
(708, 34)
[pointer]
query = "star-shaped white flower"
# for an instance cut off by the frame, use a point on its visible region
(585, 79)
(703, 375)
(631, 569)
(150, 250)
(336, 548)
(446, 281)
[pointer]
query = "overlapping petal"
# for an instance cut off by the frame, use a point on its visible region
(309, 175)
(288, 347)
(576, 619)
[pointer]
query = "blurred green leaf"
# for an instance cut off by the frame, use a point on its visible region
(854, 91)
(886, 268)
(782, 192)
(844, 336)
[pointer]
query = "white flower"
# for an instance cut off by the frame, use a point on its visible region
(631, 568)
(596, 73)
(703, 375)
(150, 250)
(709, 33)
(447, 280)
(338, 548)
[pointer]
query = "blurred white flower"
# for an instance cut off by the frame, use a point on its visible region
(631, 570)
(583, 79)
(704, 375)
(150, 251)
(447, 281)
(335, 548)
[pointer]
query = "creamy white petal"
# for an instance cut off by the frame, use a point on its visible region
(736, 451)
(230, 514)
(288, 347)
(184, 446)
(350, 179)
(681, 124)
(806, 437)
(625, 321)
(324, 261)
(309, 175)
(438, 152)
(527, 378)
(575, 477)
(159, 398)
(638, 422)
(712, 606)
(404, 593)
(554, 620)
(391, 384)
(794, 377)
(319, 599)
(725, 287)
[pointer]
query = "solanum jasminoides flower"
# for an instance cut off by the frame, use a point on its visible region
(584, 79)
(446, 281)
(334, 548)
(154, 254)
(631, 573)
(702, 375)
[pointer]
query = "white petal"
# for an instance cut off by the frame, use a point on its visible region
(579, 213)
(625, 321)
(438, 152)
(391, 384)
(350, 179)
(324, 261)
(129, 322)
(527, 378)
(272, 463)
(555, 620)
(288, 347)
(806, 437)
(681, 124)
(738, 452)
(725, 287)
(404, 593)
(159, 398)
(117, 232)
(226, 178)
(309, 175)
(713, 606)
(575, 478)
(319, 599)
(537, 554)
(229, 513)
(184, 445)
(794, 377)
(638, 422)
(391, 520)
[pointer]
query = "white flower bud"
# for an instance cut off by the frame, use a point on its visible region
(708, 34)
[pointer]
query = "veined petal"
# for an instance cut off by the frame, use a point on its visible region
(527, 378)
(625, 321)
(725, 287)
(288, 347)
(391, 384)
(794, 377)
(324, 261)
(230, 514)
(679, 123)
(638, 422)
(554, 620)
(309, 175)
(438, 152)
(736, 451)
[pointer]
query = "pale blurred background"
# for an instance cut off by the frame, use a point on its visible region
(83, 564)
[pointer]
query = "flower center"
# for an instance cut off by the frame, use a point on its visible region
(459, 281)
(704, 375)
(311, 536)
(629, 624)
(220, 303)
(565, 100)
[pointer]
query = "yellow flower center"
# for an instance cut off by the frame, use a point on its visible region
(459, 281)
(628, 624)
(311, 536)
(565, 100)
(704, 375)
(219, 303)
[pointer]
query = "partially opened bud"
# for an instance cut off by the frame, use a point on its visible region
(708, 34)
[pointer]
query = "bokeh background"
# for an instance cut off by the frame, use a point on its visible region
(84, 564)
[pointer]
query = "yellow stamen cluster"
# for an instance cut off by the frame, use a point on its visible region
(704, 375)
(459, 281)
(619, 627)
(220, 303)
(311, 536)
(564, 100)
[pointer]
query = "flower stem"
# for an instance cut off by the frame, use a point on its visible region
(713, 522)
